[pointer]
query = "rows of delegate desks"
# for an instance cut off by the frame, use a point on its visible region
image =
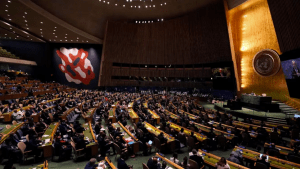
(12, 129)
(127, 136)
(200, 137)
(155, 131)
(133, 116)
(173, 116)
(47, 139)
(282, 150)
(211, 160)
(90, 136)
(169, 162)
(274, 161)
(153, 114)
(217, 132)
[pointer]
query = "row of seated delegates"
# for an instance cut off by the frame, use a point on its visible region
(66, 134)
(32, 132)
(194, 155)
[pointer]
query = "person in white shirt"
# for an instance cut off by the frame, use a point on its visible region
(18, 115)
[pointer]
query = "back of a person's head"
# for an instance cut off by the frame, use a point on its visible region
(164, 165)
(175, 155)
(92, 161)
(185, 161)
(263, 157)
(154, 160)
(194, 151)
(296, 150)
(222, 161)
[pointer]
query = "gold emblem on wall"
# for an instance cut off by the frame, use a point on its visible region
(266, 62)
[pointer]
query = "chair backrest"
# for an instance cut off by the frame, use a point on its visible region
(221, 140)
(182, 138)
(22, 147)
(193, 164)
(260, 166)
(191, 142)
(157, 143)
(273, 152)
(117, 148)
(183, 125)
(20, 133)
(295, 134)
(294, 159)
(141, 133)
(167, 130)
(135, 127)
(145, 166)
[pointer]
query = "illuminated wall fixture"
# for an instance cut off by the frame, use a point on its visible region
(143, 4)
(146, 21)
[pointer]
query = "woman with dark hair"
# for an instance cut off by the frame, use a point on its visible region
(185, 163)
(222, 164)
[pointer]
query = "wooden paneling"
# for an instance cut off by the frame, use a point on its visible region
(252, 31)
(286, 18)
(199, 37)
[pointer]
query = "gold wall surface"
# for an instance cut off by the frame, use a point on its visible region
(251, 30)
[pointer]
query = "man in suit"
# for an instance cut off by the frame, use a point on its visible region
(296, 70)
(91, 164)
(152, 163)
(263, 160)
(161, 138)
(194, 156)
(122, 164)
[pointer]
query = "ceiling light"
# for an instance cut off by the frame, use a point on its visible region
(49, 39)
(146, 6)
(9, 1)
(66, 34)
(8, 15)
(41, 29)
(6, 10)
(162, 19)
(17, 36)
(60, 40)
(23, 16)
(161, 4)
(9, 19)
(87, 41)
(10, 28)
(25, 20)
(42, 36)
(5, 34)
(71, 40)
(54, 30)
(116, 4)
(165, 3)
(6, 5)
(41, 22)
(108, 3)
(55, 36)
(65, 37)
(153, 6)
(41, 32)
(28, 36)
(27, 28)
(25, 13)
(123, 5)
(55, 27)
(14, 32)
(53, 33)
(30, 39)
(139, 6)
(157, 19)
(26, 24)
(77, 38)
(66, 40)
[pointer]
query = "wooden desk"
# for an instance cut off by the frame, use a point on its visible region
(212, 159)
(42, 166)
(89, 114)
(191, 116)
(66, 113)
(274, 162)
(8, 116)
(155, 131)
(154, 116)
(169, 163)
(133, 116)
(127, 136)
(173, 116)
(199, 136)
(6, 132)
(112, 115)
(254, 127)
(206, 129)
(110, 163)
(49, 134)
(88, 133)
(283, 150)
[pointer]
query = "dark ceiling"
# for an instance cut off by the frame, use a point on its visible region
(82, 21)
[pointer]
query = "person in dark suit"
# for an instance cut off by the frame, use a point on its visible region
(294, 153)
(162, 139)
(263, 160)
(122, 164)
(80, 144)
(197, 158)
(152, 163)
(295, 71)
(91, 164)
